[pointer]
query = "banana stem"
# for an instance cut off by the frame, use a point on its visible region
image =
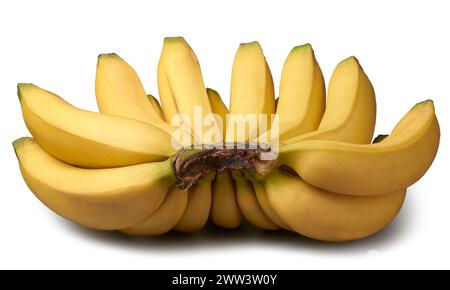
(190, 164)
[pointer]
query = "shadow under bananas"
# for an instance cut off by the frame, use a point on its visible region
(213, 237)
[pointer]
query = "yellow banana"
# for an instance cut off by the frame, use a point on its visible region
(263, 201)
(350, 110)
(89, 139)
(218, 107)
(198, 206)
(302, 93)
(249, 205)
(164, 218)
(328, 216)
(397, 162)
(156, 106)
(224, 208)
(107, 199)
(119, 92)
(180, 81)
(251, 88)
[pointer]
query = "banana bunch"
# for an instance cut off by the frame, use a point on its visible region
(118, 169)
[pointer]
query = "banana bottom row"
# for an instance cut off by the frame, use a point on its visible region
(141, 200)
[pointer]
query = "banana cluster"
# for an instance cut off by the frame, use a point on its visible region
(114, 170)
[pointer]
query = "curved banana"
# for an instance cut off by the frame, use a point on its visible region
(164, 218)
(89, 139)
(217, 105)
(252, 91)
(350, 111)
(328, 216)
(180, 82)
(119, 92)
(397, 162)
(302, 93)
(263, 201)
(156, 106)
(224, 208)
(106, 199)
(249, 205)
(198, 206)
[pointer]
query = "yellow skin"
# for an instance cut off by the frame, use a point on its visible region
(328, 216)
(164, 218)
(156, 106)
(249, 205)
(302, 93)
(396, 163)
(106, 199)
(218, 107)
(119, 92)
(224, 208)
(198, 206)
(350, 112)
(263, 201)
(180, 81)
(89, 139)
(252, 89)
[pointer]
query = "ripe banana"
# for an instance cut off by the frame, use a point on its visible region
(302, 93)
(219, 108)
(164, 218)
(217, 105)
(106, 199)
(328, 216)
(198, 206)
(263, 201)
(119, 169)
(350, 110)
(224, 208)
(119, 92)
(156, 106)
(249, 205)
(397, 162)
(180, 82)
(89, 139)
(252, 91)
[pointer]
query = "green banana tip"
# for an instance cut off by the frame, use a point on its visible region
(18, 143)
(249, 44)
(174, 39)
(302, 48)
(102, 56)
(21, 87)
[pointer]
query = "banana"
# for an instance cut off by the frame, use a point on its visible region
(106, 199)
(198, 206)
(164, 218)
(397, 162)
(252, 91)
(156, 106)
(218, 107)
(302, 93)
(350, 110)
(248, 204)
(328, 216)
(89, 139)
(119, 92)
(224, 208)
(180, 82)
(263, 201)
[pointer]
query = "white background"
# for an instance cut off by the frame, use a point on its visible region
(403, 47)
